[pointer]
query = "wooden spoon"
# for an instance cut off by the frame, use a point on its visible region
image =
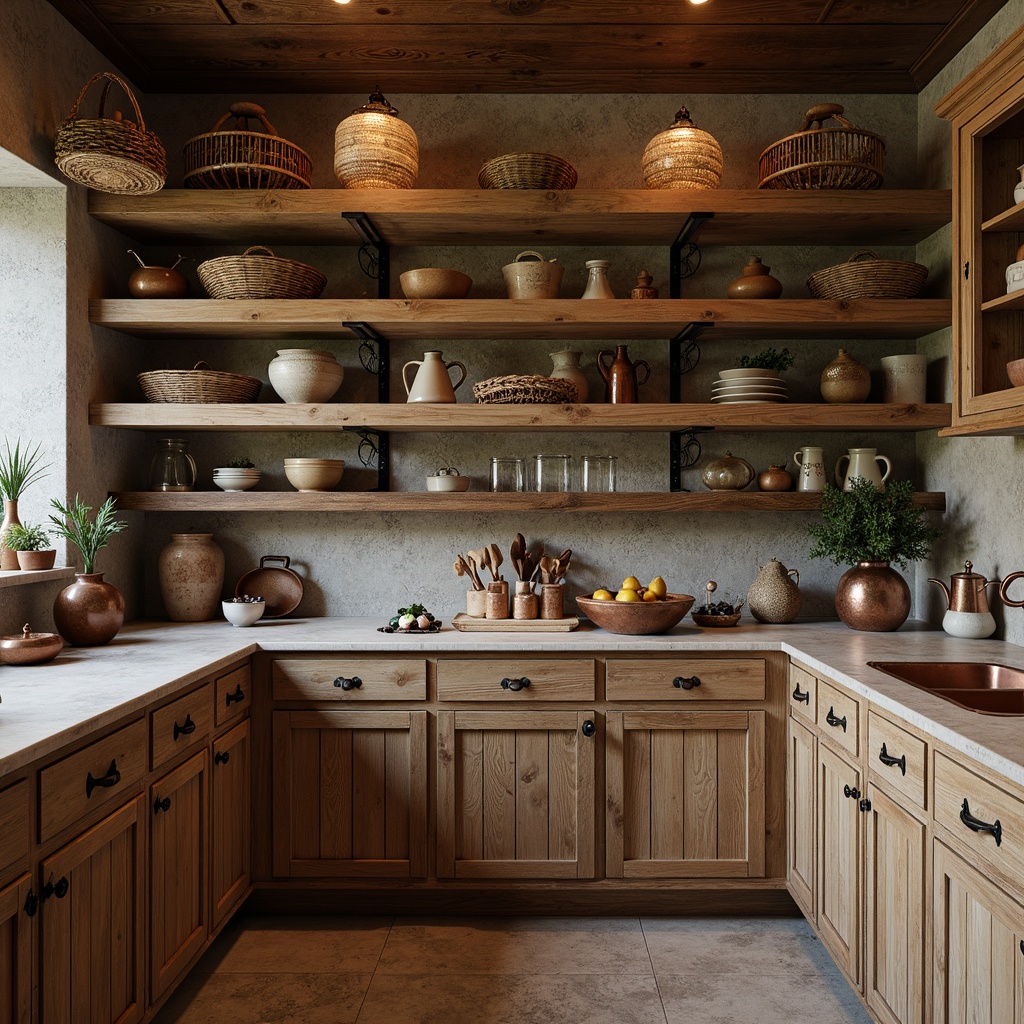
(494, 560)
(562, 565)
(547, 567)
(515, 555)
(473, 570)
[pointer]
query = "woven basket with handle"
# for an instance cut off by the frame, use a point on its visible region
(199, 385)
(865, 276)
(515, 389)
(110, 154)
(259, 274)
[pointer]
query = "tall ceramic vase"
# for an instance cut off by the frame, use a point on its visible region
(8, 558)
(874, 597)
(191, 571)
(90, 611)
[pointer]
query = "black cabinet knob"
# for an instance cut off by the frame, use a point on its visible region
(686, 682)
(346, 683)
(161, 805)
(221, 757)
(589, 728)
(852, 792)
(32, 904)
(515, 685)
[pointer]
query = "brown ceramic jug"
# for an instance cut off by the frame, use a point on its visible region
(621, 386)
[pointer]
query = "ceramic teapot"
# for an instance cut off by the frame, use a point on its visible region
(775, 595)
(621, 384)
(728, 474)
(863, 462)
(967, 612)
(157, 282)
(432, 382)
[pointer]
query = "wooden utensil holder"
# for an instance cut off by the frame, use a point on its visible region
(552, 600)
(476, 603)
(497, 600)
(525, 605)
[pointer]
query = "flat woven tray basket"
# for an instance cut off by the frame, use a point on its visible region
(820, 157)
(199, 385)
(524, 390)
(865, 276)
(527, 170)
(259, 274)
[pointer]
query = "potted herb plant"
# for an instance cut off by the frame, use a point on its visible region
(769, 362)
(90, 611)
(868, 529)
(18, 470)
(238, 475)
(31, 545)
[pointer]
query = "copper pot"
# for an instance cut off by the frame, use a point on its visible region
(29, 648)
(89, 612)
(874, 597)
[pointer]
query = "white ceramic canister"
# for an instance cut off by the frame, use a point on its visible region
(810, 463)
(969, 625)
(904, 379)
(191, 569)
(306, 375)
(863, 463)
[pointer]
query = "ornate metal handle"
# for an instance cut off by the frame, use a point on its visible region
(112, 778)
(589, 728)
(686, 682)
(889, 761)
(186, 728)
(346, 683)
(977, 825)
(835, 722)
(515, 685)
(234, 698)
(802, 696)
(161, 805)
(852, 792)
(221, 757)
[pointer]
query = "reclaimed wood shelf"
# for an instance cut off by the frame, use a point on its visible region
(469, 501)
(746, 217)
(1009, 220)
(462, 418)
(1015, 300)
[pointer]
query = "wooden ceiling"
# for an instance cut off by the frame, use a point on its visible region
(530, 46)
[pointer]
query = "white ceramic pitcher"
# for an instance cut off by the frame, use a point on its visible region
(810, 461)
(863, 462)
(432, 382)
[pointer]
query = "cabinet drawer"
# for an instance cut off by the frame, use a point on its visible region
(838, 718)
(350, 679)
(232, 695)
(72, 787)
(985, 803)
(15, 837)
(896, 759)
(181, 724)
(686, 679)
(523, 679)
(803, 693)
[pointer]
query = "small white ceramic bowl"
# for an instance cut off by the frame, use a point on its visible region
(232, 479)
(245, 613)
(448, 483)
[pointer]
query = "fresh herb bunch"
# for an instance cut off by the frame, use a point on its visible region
(26, 537)
(768, 359)
(88, 535)
(241, 464)
(19, 469)
(864, 524)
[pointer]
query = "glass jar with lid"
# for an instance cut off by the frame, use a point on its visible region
(172, 468)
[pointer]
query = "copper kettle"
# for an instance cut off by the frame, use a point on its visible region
(966, 592)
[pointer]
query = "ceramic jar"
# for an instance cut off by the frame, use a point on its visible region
(845, 380)
(305, 375)
(644, 289)
(727, 474)
(597, 281)
(682, 156)
(775, 478)
(530, 276)
(8, 558)
(621, 385)
(862, 463)
(566, 366)
(375, 148)
(191, 569)
(774, 596)
(755, 282)
(90, 612)
(905, 378)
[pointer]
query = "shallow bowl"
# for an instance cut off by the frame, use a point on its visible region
(435, 283)
(716, 621)
(636, 618)
(448, 483)
(1015, 370)
(231, 479)
(243, 613)
(314, 474)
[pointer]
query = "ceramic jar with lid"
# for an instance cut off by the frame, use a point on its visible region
(775, 595)
(755, 282)
(730, 473)
(845, 380)
(306, 375)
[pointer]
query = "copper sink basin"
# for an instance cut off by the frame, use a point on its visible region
(978, 686)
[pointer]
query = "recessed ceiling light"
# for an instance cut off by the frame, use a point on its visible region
(696, 3)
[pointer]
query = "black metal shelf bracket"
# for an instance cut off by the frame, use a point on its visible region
(374, 452)
(683, 356)
(685, 451)
(374, 354)
(374, 253)
(684, 253)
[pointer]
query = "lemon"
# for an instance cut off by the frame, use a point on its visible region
(603, 595)
(650, 595)
(628, 594)
(630, 583)
(657, 587)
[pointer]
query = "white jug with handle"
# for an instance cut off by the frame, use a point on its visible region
(810, 461)
(432, 382)
(863, 462)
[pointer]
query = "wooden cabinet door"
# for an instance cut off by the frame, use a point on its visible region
(350, 794)
(178, 840)
(515, 794)
(839, 860)
(90, 923)
(230, 813)
(894, 933)
(16, 951)
(978, 946)
(801, 820)
(685, 794)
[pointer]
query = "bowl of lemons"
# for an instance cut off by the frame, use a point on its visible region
(636, 610)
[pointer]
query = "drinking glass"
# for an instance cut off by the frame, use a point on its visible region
(598, 473)
(507, 474)
(552, 472)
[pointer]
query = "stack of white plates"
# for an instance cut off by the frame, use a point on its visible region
(728, 390)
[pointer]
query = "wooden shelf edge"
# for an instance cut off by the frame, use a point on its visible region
(1009, 220)
(1015, 300)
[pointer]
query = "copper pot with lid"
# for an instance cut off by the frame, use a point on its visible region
(29, 648)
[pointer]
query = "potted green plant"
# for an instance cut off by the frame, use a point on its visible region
(868, 529)
(238, 475)
(90, 611)
(770, 360)
(18, 470)
(31, 545)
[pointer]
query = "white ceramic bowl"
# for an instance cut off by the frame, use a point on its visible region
(314, 474)
(243, 613)
(231, 479)
(448, 483)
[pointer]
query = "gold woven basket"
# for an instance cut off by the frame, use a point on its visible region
(529, 389)
(259, 274)
(820, 157)
(527, 170)
(245, 159)
(865, 276)
(199, 385)
(110, 154)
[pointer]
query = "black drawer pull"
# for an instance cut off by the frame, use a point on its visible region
(186, 728)
(161, 805)
(60, 890)
(112, 778)
(852, 792)
(1021, 941)
(802, 696)
(515, 685)
(221, 757)
(888, 760)
(234, 698)
(686, 682)
(977, 825)
(589, 728)
(31, 904)
(865, 806)
(345, 683)
(835, 722)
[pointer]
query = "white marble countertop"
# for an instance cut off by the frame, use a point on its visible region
(45, 707)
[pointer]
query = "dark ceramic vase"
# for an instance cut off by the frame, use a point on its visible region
(874, 597)
(89, 612)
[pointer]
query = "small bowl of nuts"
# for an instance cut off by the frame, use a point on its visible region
(712, 614)
(244, 610)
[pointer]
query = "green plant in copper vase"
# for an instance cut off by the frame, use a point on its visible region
(88, 533)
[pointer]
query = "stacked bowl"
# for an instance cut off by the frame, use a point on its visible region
(748, 385)
(233, 478)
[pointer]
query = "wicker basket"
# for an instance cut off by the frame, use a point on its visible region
(107, 153)
(245, 159)
(865, 276)
(524, 390)
(259, 274)
(820, 157)
(527, 170)
(199, 385)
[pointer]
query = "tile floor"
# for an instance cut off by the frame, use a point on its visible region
(347, 970)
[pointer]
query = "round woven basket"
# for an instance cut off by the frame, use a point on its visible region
(529, 389)
(199, 385)
(259, 274)
(527, 170)
(107, 153)
(865, 276)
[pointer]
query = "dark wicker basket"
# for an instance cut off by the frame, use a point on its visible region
(865, 276)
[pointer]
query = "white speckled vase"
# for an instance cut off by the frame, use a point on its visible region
(191, 577)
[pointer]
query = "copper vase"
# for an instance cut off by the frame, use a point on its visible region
(89, 612)
(874, 597)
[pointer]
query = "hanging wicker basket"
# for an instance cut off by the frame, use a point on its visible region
(259, 274)
(241, 158)
(527, 170)
(199, 385)
(820, 157)
(865, 276)
(109, 154)
(528, 389)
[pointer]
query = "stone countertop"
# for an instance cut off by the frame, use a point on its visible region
(46, 707)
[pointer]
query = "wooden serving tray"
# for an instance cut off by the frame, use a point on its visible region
(470, 624)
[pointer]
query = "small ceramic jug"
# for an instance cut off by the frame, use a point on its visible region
(863, 462)
(566, 366)
(621, 384)
(811, 464)
(775, 595)
(432, 382)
